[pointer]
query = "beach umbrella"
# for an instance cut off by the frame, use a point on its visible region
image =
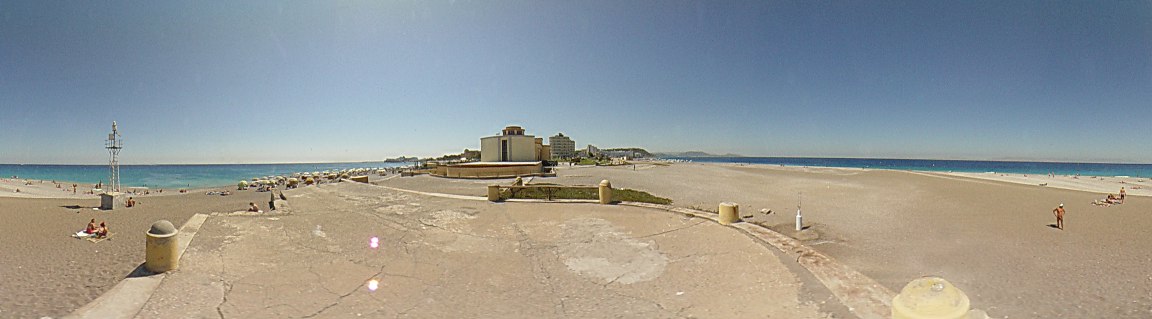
(241, 185)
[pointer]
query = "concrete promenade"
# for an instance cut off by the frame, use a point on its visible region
(442, 257)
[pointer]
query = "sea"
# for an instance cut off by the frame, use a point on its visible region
(217, 175)
(174, 176)
(1008, 167)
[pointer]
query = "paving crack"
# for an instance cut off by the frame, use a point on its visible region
(227, 287)
(671, 230)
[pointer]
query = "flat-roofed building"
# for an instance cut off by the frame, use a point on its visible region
(563, 147)
(512, 146)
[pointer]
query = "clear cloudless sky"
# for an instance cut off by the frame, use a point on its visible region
(304, 81)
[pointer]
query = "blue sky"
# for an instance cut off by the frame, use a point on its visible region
(292, 81)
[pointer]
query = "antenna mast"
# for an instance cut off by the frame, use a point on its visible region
(114, 144)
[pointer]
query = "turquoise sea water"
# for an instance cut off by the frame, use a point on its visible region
(172, 176)
(201, 176)
(1038, 168)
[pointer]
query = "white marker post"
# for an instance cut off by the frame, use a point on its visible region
(799, 217)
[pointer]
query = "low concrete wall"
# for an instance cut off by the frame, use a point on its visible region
(487, 171)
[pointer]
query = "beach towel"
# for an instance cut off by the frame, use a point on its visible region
(96, 239)
(91, 237)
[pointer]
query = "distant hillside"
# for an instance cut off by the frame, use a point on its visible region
(639, 151)
(693, 154)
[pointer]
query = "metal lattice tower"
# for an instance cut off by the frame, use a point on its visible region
(114, 144)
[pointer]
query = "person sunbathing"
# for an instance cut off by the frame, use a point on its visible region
(102, 231)
(91, 229)
(1113, 199)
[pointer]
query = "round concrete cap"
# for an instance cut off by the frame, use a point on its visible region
(605, 183)
(930, 297)
(729, 204)
(162, 228)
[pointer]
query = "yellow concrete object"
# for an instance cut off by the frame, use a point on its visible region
(362, 179)
(930, 298)
(729, 213)
(493, 193)
(605, 192)
(160, 252)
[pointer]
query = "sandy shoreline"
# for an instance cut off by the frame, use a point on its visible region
(35, 188)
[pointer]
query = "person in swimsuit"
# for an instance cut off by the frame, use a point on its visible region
(91, 229)
(1059, 212)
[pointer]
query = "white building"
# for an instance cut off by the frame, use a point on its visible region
(562, 146)
(513, 146)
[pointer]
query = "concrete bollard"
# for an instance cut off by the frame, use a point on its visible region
(931, 298)
(605, 192)
(161, 249)
(494, 193)
(729, 213)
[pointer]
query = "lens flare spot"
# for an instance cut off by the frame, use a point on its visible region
(373, 284)
(374, 242)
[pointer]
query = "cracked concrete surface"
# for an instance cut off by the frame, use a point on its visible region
(440, 257)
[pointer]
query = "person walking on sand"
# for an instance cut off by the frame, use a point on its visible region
(1122, 193)
(1059, 212)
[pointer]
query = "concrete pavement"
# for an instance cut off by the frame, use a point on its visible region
(444, 257)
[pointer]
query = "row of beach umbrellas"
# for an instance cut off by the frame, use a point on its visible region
(309, 178)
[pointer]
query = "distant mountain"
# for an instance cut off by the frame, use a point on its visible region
(693, 154)
(640, 152)
(401, 159)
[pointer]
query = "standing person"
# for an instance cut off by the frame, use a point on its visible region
(1122, 193)
(1059, 212)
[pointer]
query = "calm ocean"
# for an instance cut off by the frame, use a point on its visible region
(1039, 168)
(200, 176)
(172, 176)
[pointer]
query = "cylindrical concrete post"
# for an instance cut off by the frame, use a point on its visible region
(799, 221)
(729, 213)
(493, 193)
(605, 192)
(161, 252)
(930, 298)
